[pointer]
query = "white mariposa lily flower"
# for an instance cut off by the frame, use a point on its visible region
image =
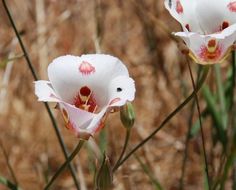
(209, 27)
(86, 89)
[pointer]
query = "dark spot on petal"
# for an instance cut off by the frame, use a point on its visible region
(225, 25)
(187, 27)
(119, 89)
(211, 43)
(85, 91)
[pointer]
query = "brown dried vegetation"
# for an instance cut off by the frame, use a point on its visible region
(138, 32)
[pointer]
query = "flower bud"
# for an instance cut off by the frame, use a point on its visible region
(127, 115)
(104, 175)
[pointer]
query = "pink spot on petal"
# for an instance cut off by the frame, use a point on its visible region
(187, 27)
(86, 68)
(53, 96)
(179, 7)
(232, 6)
(69, 126)
(114, 101)
(101, 125)
(65, 115)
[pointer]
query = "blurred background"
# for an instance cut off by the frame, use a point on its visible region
(139, 33)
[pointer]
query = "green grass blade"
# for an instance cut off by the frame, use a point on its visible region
(147, 171)
(8, 183)
(215, 114)
(220, 91)
(103, 140)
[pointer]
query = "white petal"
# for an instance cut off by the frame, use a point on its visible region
(96, 122)
(77, 116)
(44, 91)
(230, 31)
(68, 74)
(121, 90)
(212, 14)
(171, 7)
(187, 17)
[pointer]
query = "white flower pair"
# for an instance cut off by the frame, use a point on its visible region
(87, 88)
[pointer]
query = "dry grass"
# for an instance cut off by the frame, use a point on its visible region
(130, 30)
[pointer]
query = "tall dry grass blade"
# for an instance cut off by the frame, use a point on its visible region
(41, 37)
(5, 154)
(30, 65)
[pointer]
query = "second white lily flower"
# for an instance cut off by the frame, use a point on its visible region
(209, 27)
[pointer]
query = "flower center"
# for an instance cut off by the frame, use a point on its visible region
(85, 100)
(210, 52)
(211, 46)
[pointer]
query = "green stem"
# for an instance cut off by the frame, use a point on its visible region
(233, 111)
(8, 183)
(216, 115)
(221, 95)
(33, 72)
(66, 163)
(229, 163)
(148, 172)
(188, 137)
(123, 150)
(169, 117)
(234, 67)
(201, 127)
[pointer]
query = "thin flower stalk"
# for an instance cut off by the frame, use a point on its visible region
(127, 137)
(34, 74)
(201, 127)
(169, 117)
(66, 163)
(188, 136)
(187, 139)
(149, 173)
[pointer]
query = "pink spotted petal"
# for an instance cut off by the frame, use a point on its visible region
(209, 49)
(68, 74)
(81, 122)
(184, 12)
